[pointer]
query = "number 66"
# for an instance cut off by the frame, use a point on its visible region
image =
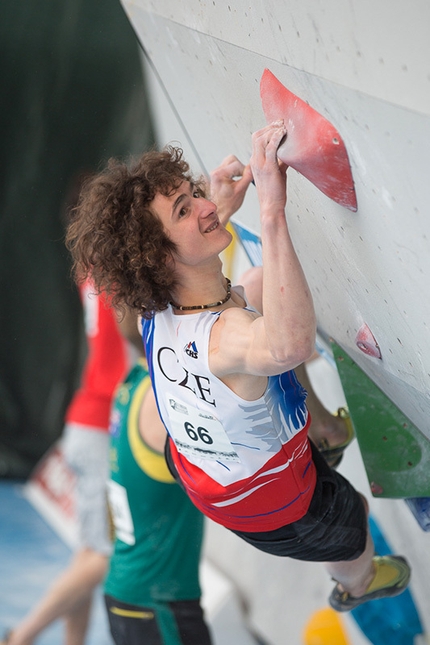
(200, 433)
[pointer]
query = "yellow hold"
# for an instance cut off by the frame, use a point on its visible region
(325, 627)
(229, 253)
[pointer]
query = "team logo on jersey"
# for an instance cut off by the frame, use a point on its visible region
(191, 349)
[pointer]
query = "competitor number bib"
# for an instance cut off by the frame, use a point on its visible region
(197, 433)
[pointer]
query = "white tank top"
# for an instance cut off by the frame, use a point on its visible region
(224, 446)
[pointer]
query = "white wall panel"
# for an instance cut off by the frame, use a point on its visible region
(371, 266)
(364, 65)
(380, 48)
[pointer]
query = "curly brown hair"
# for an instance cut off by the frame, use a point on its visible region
(118, 241)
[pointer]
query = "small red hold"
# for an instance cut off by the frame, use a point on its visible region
(376, 489)
(366, 342)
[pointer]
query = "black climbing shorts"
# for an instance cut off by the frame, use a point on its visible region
(334, 528)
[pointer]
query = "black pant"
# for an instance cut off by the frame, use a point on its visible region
(169, 623)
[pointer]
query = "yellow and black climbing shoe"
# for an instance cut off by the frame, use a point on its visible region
(391, 579)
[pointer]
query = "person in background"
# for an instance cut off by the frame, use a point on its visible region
(223, 374)
(86, 447)
(152, 589)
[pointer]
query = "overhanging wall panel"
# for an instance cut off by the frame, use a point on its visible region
(371, 266)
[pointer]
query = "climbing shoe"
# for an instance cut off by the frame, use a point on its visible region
(391, 579)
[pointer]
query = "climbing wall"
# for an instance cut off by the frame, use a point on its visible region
(365, 67)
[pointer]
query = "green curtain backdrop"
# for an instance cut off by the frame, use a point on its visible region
(72, 95)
